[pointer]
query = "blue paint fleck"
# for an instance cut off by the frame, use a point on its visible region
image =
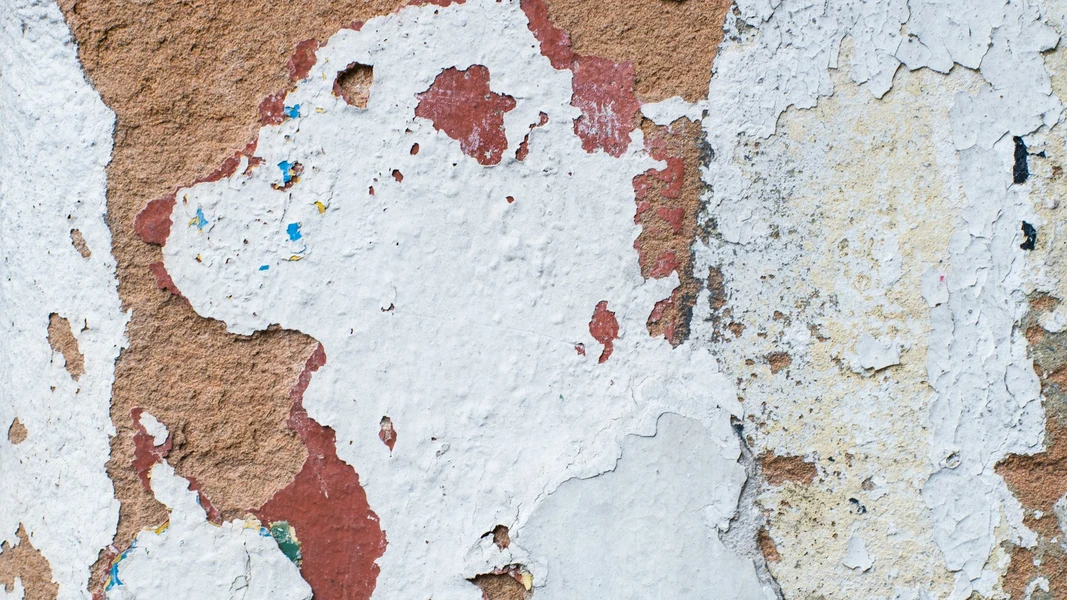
(200, 220)
(292, 111)
(294, 232)
(287, 173)
(264, 267)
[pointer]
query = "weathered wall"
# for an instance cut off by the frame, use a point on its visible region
(514, 298)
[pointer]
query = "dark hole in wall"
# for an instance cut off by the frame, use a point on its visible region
(1029, 235)
(353, 84)
(1021, 171)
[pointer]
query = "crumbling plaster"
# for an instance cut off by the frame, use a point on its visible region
(855, 408)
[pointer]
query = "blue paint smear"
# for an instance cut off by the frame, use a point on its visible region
(292, 111)
(264, 267)
(113, 575)
(287, 174)
(294, 232)
(200, 220)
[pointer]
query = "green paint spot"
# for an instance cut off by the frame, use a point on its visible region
(286, 538)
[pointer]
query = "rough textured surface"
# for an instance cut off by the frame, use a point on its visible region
(617, 299)
(671, 44)
(186, 86)
(23, 566)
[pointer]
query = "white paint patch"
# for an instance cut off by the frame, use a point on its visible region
(17, 591)
(657, 507)
(443, 306)
(54, 145)
(856, 557)
(875, 355)
(192, 558)
(154, 428)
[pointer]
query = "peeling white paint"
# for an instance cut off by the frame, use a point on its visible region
(873, 354)
(189, 557)
(54, 145)
(657, 507)
(856, 556)
(449, 309)
(987, 397)
(17, 591)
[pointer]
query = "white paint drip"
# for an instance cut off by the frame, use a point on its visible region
(445, 307)
(54, 145)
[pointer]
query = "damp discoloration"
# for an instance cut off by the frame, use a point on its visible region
(781, 325)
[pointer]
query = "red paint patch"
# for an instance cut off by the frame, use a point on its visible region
(580, 349)
(302, 60)
(524, 146)
(272, 109)
(665, 263)
(604, 329)
(213, 513)
(510, 199)
(660, 315)
(163, 279)
(145, 451)
(604, 92)
(461, 104)
(673, 216)
(153, 222)
(555, 43)
(341, 538)
(601, 88)
(371, 190)
(387, 434)
(229, 166)
(398, 176)
(414, 149)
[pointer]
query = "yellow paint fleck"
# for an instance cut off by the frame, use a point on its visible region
(527, 581)
(321, 207)
(295, 258)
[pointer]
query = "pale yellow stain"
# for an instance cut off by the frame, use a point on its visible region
(866, 169)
